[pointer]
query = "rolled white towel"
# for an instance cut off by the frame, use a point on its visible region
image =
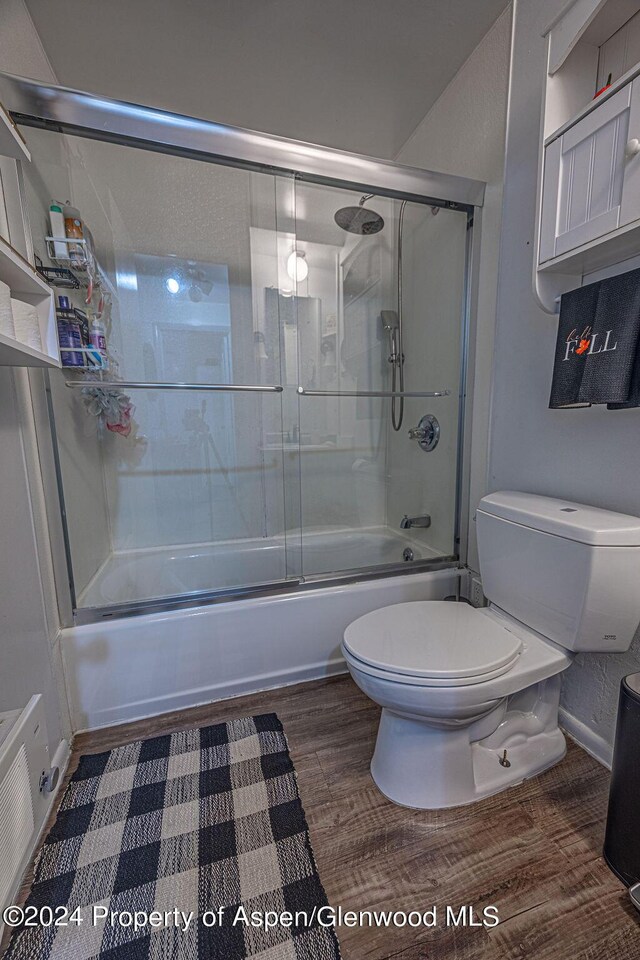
(7, 326)
(25, 318)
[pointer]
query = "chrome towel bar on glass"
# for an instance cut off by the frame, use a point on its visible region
(133, 385)
(372, 393)
(249, 388)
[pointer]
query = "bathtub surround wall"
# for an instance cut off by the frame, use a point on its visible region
(589, 455)
(30, 659)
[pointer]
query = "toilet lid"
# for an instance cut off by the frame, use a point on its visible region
(437, 639)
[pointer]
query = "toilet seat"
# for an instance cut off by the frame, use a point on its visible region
(431, 643)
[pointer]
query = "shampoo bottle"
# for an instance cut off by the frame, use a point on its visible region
(56, 220)
(73, 229)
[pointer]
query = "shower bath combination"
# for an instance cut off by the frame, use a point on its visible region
(366, 222)
(172, 524)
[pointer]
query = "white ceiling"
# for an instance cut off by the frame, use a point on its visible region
(355, 74)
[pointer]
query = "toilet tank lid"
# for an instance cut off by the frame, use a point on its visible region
(573, 521)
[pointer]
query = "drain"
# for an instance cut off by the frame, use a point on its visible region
(407, 553)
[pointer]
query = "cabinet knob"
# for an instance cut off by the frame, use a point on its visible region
(632, 148)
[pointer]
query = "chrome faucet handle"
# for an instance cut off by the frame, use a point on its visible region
(427, 433)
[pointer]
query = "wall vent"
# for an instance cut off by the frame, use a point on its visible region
(17, 823)
(24, 757)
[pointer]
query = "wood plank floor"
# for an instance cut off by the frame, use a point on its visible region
(534, 852)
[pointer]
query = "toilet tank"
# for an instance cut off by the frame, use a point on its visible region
(569, 571)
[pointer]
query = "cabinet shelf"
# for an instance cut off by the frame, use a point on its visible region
(622, 244)
(20, 275)
(26, 285)
(13, 353)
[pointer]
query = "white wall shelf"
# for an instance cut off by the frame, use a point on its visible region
(20, 275)
(607, 251)
(26, 285)
(11, 143)
(16, 354)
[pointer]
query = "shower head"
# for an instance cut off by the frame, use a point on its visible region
(358, 219)
(390, 320)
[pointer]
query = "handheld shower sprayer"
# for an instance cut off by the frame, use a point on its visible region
(391, 325)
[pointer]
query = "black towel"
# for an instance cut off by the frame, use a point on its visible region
(609, 368)
(632, 397)
(597, 343)
(577, 313)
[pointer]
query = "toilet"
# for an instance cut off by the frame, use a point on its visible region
(470, 696)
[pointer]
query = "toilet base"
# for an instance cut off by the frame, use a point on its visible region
(429, 767)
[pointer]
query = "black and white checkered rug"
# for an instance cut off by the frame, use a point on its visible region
(206, 824)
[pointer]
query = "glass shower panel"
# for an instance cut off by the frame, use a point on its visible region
(169, 430)
(433, 291)
(359, 476)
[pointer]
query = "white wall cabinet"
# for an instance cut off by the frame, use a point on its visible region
(588, 200)
(591, 181)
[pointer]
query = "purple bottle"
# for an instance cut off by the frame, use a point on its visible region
(69, 336)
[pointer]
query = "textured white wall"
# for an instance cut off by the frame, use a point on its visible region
(464, 133)
(589, 455)
(29, 652)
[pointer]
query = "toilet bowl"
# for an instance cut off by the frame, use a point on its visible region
(470, 696)
(461, 687)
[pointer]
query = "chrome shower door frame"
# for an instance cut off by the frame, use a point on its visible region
(80, 114)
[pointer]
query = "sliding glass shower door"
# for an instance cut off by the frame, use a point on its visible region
(170, 445)
(262, 374)
(381, 311)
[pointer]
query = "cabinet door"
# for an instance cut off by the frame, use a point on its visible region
(630, 205)
(583, 177)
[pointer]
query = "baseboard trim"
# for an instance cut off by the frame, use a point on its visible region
(595, 745)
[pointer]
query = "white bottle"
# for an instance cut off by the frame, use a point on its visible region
(56, 219)
(98, 341)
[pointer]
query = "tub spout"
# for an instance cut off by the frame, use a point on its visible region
(407, 522)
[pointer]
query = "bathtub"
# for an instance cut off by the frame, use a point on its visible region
(125, 669)
(131, 575)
